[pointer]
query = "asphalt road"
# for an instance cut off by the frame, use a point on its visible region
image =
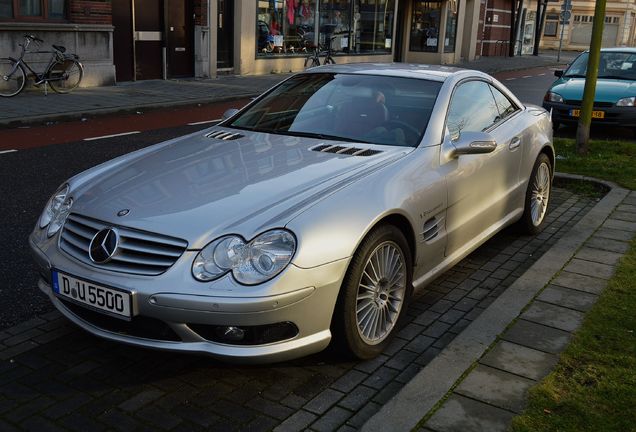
(45, 157)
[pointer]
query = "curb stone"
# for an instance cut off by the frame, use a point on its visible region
(434, 382)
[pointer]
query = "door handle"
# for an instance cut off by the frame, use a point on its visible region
(514, 143)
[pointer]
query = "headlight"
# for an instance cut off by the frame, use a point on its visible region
(57, 209)
(630, 101)
(250, 263)
(553, 97)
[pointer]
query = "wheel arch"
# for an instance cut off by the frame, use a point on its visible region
(549, 152)
(402, 223)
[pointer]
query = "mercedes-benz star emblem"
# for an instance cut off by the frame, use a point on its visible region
(103, 246)
(122, 213)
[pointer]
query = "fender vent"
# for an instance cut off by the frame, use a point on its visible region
(353, 151)
(431, 229)
(223, 135)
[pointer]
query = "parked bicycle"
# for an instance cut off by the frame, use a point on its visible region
(313, 59)
(63, 73)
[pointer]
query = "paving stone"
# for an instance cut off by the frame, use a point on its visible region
(626, 208)
(409, 372)
(459, 326)
(498, 388)
(420, 344)
(461, 414)
(580, 282)
(452, 316)
(599, 256)
(141, 399)
(200, 417)
(410, 331)
(617, 246)
(363, 415)
(258, 424)
(26, 325)
(441, 306)
(573, 299)
(369, 366)
(588, 268)
(39, 424)
(608, 233)
(624, 216)
(478, 293)
(81, 423)
(553, 316)
(426, 357)
(401, 360)
(381, 377)
(537, 336)
(444, 340)
(16, 350)
(334, 418)
(294, 401)
(427, 318)
(323, 401)
(619, 224)
(270, 408)
(387, 392)
(349, 381)
(437, 329)
(519, 360)
(465, 304)
(357, 397)
(299, 421)
(455, 295)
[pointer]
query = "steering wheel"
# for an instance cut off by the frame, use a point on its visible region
(411, 132)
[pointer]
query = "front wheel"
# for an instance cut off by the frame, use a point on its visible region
(12, 77)
(65, 75)
(374, 293)
(537, 195)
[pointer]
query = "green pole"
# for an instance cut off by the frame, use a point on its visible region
(583, 130)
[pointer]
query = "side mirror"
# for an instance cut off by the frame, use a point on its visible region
(558, 73)
(229, 113)
(470, 143)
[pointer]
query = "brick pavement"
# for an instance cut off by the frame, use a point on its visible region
(56, 377)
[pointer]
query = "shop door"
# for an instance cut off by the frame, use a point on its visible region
(149, 39)
(225, 35)
(179, 38)
(123, 40)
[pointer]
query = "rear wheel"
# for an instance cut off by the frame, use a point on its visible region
(65, 75)
(537, 195)
(374, 294)
(12, 77)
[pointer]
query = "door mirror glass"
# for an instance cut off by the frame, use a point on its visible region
(558, 73)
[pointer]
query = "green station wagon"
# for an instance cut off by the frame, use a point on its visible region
(615, 98)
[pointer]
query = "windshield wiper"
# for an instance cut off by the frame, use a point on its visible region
(573, 76)
(322, 136)
(615, 77)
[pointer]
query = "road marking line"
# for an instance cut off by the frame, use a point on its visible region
(111, 136)
(542, 74)
(7, 151)
(510, 79)
(528, 76)
(204, 122)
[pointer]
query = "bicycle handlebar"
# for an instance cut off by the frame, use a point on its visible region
(33, 37)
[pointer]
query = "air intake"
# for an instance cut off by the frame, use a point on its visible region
(223, 135)
(353, 151)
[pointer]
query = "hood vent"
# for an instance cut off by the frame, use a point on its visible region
(353, 151)
(223, 135)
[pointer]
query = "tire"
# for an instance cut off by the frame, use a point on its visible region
(329, 60)
(537, 196)
(65, 75)
(371, 306)
(12, 77)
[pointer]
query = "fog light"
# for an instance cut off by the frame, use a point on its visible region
(231, 333)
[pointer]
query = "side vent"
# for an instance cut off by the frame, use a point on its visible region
(223, 135)
(431, 229)
(353, 151)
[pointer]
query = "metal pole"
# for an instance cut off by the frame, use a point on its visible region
(561, 40)
(585, 119)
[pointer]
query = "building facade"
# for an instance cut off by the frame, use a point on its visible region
(124, 40)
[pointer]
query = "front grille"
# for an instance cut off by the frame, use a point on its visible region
(139, 326)
(138, 252)
(596, 104)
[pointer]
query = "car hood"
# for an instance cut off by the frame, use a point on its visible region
(199, 187)
(607, 90)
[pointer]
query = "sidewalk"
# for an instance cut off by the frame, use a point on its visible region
(33, 106)
(480, 381)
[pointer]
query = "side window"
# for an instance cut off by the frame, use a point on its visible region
(505, 107)
(472, 109)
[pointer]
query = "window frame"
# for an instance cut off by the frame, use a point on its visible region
(43, 17)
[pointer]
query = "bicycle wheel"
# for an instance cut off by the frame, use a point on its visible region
(312, 61)
(329, 60)
(12, 77)
(65, 75)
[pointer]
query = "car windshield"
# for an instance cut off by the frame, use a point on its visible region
(612, 65)
(358, 108)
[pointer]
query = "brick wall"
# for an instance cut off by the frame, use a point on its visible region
(90, 11)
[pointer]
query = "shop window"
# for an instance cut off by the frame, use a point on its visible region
(33, 10)
(292, 27)
(451, 26)
(425, 25)
(551, 25)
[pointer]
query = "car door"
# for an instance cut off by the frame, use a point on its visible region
(480, 187)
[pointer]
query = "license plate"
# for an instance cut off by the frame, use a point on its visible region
(104, 299)
(595, 114)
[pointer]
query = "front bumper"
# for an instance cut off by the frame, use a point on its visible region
(172, 304)
(614, 116)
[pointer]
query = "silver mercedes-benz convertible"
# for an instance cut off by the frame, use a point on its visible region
(311, 214)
